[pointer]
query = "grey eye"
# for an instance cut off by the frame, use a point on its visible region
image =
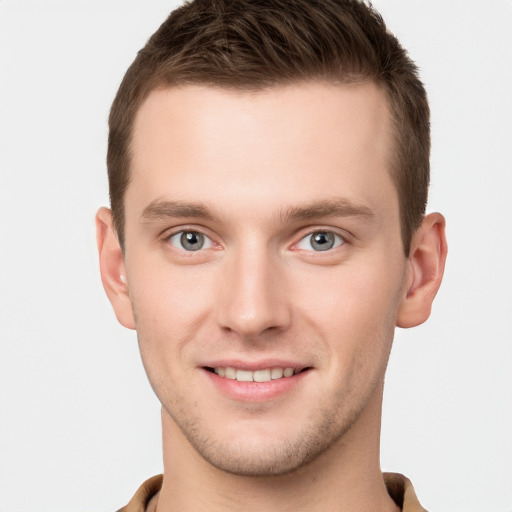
(190, 241)
(320, 241)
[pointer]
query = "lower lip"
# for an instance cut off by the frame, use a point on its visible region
(255, 391)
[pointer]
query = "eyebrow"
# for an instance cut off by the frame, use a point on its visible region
(327, 208)
(161, 210)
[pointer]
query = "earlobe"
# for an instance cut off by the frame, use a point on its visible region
(425, 271)
(112, 269)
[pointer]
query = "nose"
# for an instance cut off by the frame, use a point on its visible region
(252, 295)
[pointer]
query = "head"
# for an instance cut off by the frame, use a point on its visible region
(268, 166)
(249, 45)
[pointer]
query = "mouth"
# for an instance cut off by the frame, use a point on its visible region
(260, 375)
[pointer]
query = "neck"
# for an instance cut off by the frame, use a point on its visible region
(347, 476)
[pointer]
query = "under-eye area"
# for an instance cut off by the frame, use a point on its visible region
(263, 375)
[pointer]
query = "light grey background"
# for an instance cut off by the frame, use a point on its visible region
(79, 425)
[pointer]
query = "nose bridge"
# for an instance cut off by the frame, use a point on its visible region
(252, 300)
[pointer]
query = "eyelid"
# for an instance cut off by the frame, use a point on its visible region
(342, 236)
(208, 242)
(178, 230)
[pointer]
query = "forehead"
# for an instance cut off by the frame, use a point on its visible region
(283, 144)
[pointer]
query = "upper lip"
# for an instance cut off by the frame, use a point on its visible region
(256, 365)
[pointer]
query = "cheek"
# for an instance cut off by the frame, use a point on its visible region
(170, 307)
(353, 307)
(169, 298)
(350, 294)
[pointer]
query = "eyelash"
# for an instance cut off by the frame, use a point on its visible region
(178, 236)
(337, 240)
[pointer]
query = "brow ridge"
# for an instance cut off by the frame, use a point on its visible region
(338, 207)
(159, 209)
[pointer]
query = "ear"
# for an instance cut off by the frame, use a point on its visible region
(425, 268)
(112, 269)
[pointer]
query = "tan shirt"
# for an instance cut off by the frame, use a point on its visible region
(399, 488)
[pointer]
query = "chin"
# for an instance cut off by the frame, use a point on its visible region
(261, 462)
(256, 455)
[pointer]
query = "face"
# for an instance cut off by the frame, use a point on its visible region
(264, 265)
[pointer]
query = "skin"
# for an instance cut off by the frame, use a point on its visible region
(257, 174)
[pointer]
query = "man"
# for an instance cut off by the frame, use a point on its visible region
(268, 168)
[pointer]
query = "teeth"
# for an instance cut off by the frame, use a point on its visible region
(276, 373)
(288, 372)
(244, 376)
(257, 376)
(230, 373)
(261, 376)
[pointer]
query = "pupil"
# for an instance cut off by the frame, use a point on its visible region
(191, 238)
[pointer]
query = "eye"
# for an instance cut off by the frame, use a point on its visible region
(190, 241)
(320, 241)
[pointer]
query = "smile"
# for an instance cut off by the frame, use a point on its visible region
(256, 382)
(263, 375)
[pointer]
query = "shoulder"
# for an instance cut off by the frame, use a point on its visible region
(402, 491)
(143, 495)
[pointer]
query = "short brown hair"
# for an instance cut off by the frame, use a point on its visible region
(255, 44)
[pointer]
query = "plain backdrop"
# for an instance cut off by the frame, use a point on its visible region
(79, 425)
